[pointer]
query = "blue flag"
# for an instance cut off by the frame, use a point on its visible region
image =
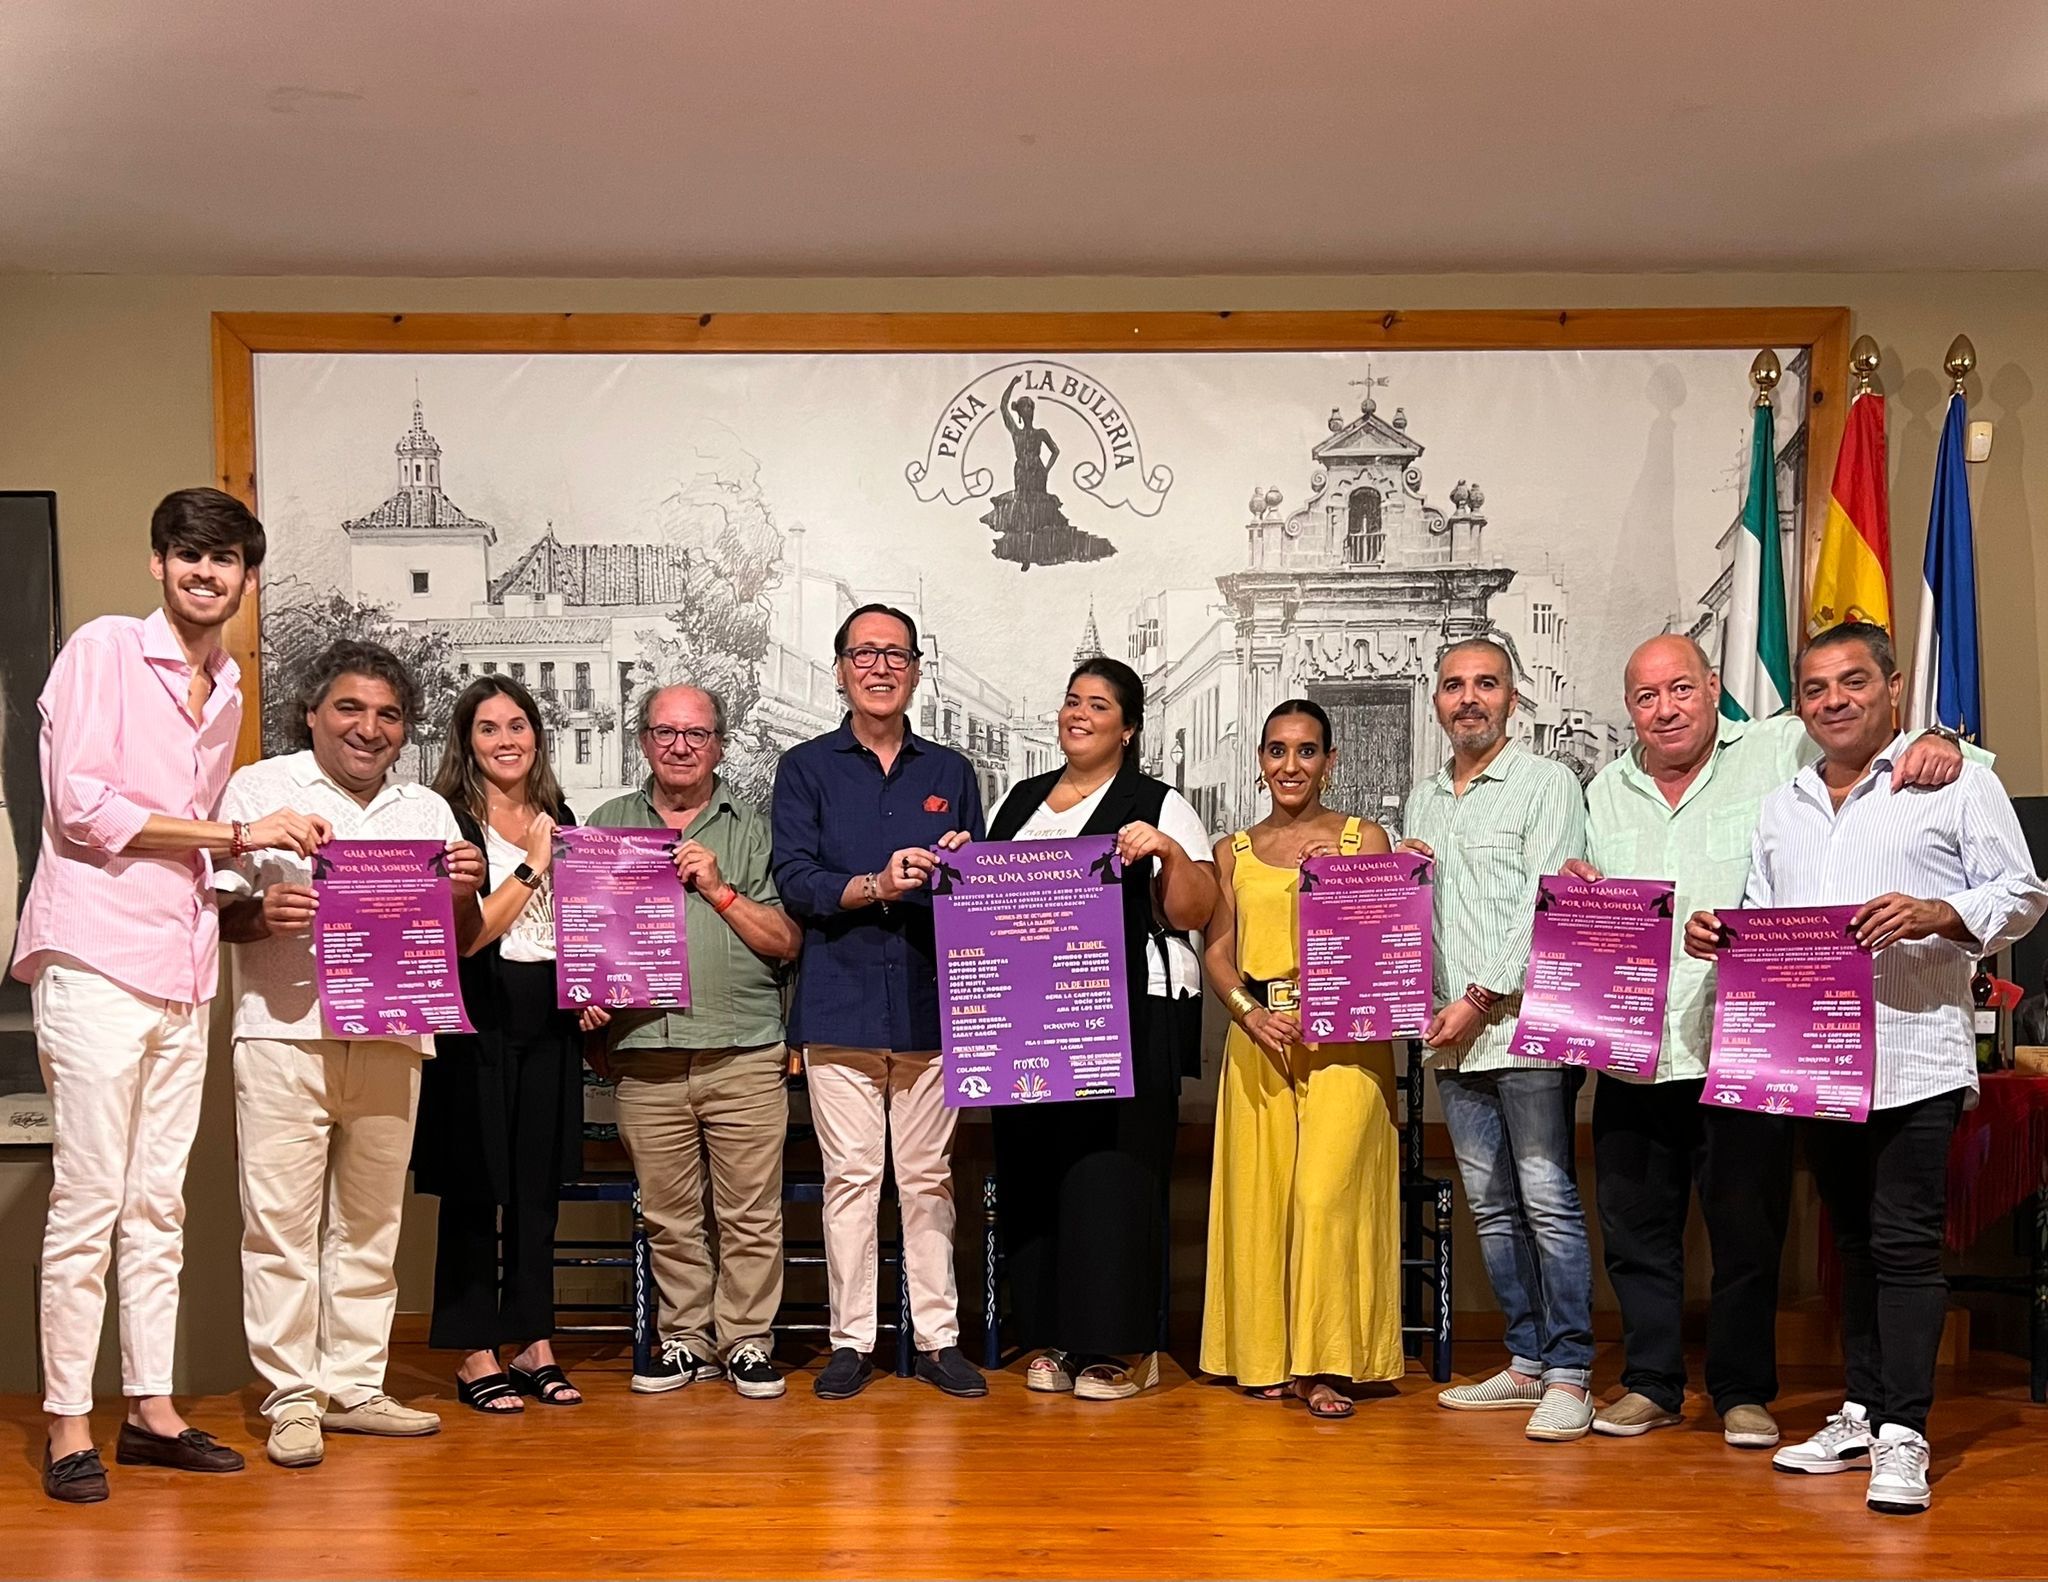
(1945, 675)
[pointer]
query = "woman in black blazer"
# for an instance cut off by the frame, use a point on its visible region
(1083, 1187)
(501, 1111)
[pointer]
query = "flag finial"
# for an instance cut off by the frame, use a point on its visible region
(1961, 358)
(1764, 373)
(1863, 360)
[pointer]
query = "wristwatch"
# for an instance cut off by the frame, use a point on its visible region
(525, 875)
(1944, 733)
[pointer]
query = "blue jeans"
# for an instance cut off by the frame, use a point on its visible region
(1513, 1133)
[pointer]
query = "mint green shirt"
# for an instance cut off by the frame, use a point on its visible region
(1702, 845)
(735, 996)
(1521, 818)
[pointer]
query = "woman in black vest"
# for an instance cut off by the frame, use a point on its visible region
(501, 1112)
(1083, 1187)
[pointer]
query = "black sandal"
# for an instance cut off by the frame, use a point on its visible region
(481, 1394)
(546, 1385)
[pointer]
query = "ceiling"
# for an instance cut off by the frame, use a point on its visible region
(918, 137)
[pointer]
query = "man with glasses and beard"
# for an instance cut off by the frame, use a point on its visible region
(325, 1124)
(120, 939)
(705, 1086)
(1498, 819)
(860, 814)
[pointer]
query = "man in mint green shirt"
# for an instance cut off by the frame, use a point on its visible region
(703, 1088)
(1497, 819)
(1682, 805)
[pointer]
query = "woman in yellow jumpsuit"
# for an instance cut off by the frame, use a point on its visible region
(1304, 1277)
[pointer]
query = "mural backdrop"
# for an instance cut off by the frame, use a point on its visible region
(1239, 527)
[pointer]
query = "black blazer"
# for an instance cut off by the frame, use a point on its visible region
(462, 1146)
(1131, 796)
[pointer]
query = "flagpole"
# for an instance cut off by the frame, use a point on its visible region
(1863, 360)
(1947, 638)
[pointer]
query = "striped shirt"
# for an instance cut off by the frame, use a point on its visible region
(117, 746)
(1960, 844)
(1520, 818)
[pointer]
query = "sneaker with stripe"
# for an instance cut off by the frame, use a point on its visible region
(1561, 1416)
(1501, 1393)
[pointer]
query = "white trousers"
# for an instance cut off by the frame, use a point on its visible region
(861, 1101)
(325, 1127)
(124, 1073)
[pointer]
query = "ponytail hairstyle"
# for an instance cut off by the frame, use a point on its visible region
(1123, 681)
(1300, 706)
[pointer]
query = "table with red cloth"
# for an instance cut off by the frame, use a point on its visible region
(1997, 1159)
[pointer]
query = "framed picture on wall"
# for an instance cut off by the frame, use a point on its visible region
(1243, 507)
(29, 630)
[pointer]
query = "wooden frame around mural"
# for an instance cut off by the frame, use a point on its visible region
(238, 337)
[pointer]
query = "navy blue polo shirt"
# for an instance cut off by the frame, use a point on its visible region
(868, 978)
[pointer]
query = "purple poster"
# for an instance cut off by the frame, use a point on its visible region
(1599, 968)
(1794, 1015)
(384, 940)
(619, 934)
(1032, 995)
(1366, 959)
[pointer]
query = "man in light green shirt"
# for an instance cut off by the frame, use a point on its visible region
(703, 1088)
(1497, 819)
(1682, 805)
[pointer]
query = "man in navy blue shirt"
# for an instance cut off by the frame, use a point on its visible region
(859, 814)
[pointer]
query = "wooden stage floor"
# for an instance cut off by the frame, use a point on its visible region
(1192, 1480)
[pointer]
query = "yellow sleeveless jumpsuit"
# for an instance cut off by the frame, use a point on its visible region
(1304, 1271)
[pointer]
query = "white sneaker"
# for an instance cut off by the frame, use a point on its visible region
(1898, 1472)
(1501, 1393)
(1843, 1442)
(1562, 1415)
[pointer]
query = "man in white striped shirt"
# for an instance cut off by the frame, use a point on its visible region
(1939, 878)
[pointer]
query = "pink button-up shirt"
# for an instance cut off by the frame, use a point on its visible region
(117, 747)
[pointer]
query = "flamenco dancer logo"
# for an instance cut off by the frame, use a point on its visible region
(1028, 520)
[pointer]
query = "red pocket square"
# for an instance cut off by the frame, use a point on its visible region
(936, 804)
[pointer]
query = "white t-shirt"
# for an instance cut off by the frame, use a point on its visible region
(275, 992)
(532, 934)
(1179, 823)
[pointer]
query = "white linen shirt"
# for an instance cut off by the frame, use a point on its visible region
(275, 992)
(1179, 823)
(1959, 843)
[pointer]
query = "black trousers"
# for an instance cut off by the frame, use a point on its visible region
(1081, 1204)
(478, 1304)
(1651, 1143)
(1885, 1184)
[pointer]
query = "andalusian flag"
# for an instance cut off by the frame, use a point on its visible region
(1756, 644)
(1853, 578)
(1945, 671)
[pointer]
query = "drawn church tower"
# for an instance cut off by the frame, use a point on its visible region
(418, 554)
(1348, 601)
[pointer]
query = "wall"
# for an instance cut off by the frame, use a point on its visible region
(105, 397)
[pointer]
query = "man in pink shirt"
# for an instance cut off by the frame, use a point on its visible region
(120, 940)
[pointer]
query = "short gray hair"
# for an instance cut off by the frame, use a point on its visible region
(646, 706)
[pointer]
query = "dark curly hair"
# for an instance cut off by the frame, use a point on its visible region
(350, 657)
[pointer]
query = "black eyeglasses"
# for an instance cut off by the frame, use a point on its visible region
(694, 737)
(867, 657)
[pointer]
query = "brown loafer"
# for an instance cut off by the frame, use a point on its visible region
(191, 1451)
(78, 1479)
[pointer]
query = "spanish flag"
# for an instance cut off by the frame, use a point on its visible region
(1853, 579)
